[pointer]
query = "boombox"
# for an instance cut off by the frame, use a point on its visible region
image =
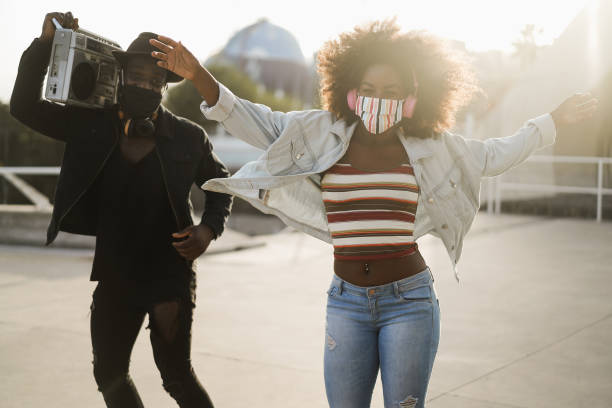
(82, 69)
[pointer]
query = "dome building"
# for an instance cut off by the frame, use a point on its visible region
(271, 56)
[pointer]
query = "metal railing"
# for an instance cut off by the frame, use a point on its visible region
(38, 171)
(494, 188)
(496, 185)
(39, 200)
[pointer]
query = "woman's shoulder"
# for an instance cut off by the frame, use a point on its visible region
(317, 121)
(452, 140)
(443, 144)
(313, 116)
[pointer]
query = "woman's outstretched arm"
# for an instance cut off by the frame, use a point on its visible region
(498, 155)
(254, 123)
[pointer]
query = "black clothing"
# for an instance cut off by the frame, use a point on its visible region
(132, 209)
(183, 147)
(135, 223)
(117, 314)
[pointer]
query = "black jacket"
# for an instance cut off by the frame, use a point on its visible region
(183, 148)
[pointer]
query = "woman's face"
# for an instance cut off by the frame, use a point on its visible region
(382, 81)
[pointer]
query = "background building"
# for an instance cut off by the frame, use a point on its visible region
(579, 60)
(271, 56)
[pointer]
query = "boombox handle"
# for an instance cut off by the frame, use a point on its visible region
(58, 26)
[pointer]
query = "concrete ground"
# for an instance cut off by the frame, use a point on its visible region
(530, 324)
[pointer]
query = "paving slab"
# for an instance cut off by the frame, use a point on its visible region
(529, 324)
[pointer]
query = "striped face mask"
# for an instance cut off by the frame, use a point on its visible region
(378, 114)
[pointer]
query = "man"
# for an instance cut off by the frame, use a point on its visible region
(125, 178)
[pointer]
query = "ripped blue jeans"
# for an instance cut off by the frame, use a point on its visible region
(394, 327)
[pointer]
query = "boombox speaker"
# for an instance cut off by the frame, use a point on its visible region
(82, 69)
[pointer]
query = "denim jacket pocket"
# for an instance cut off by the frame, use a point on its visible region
(301, 153)
(450, 194)
(450, 183)
(290, 154)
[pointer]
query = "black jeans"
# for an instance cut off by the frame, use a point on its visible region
(117, 314)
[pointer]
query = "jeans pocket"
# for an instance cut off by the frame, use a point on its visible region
(418, 294)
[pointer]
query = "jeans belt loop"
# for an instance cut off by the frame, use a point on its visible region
(340, 287)
(396, 291)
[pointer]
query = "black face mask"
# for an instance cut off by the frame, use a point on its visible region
(138, 103)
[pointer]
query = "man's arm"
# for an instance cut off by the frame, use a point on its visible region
(26, 103)
(216, 209)
(218, 205)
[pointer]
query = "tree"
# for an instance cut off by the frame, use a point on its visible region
(184, 100)
(526, 48)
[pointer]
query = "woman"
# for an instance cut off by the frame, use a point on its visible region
(373, 172)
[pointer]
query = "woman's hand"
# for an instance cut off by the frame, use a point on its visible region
(175, 57)
(574, 109)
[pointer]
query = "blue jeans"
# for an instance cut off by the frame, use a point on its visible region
(395, 327)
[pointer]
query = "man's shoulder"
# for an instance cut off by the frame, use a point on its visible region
(183, 125)
(83, 118)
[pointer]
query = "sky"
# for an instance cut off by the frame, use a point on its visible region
(205, 26)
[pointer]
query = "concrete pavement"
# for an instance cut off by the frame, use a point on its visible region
(530, 324)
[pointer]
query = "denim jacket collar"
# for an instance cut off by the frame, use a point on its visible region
(417, 148)
(343, 130)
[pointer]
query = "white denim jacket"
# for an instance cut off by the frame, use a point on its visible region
(299, 146)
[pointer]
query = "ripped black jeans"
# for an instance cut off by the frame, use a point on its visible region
(117, 314)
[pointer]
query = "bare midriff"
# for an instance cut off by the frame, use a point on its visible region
(379, 271)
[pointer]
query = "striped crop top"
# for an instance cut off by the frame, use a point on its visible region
(370, 214)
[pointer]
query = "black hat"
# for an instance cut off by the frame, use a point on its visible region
(141, 47)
